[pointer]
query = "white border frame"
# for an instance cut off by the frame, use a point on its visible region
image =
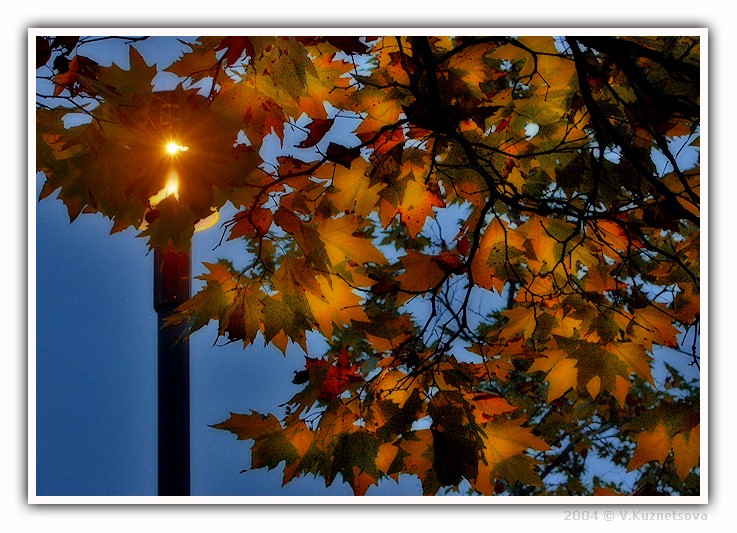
(381, 500)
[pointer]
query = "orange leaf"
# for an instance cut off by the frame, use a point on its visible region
(653, 445)
(422, 272)
(487, 406)
(417, 205)
(521, 323)
(503, 439)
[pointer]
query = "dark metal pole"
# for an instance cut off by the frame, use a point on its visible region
(171, 288)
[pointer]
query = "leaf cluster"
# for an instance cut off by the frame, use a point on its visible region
(495, 236)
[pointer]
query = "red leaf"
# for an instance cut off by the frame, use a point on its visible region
(463, 246)
(235, 47)
(338, 377)
(318, 128)
(342, 155)
(288, 221)
(449, 262)
(251, 222)
(388, 140)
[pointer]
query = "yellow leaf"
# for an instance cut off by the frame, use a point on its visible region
(351, 188)
(562, 372)
(417, 205)
(546, 248)
(396, 386)
(686, 451)
(634, 356)
(562, 378)
(654, 325)
(521, 323)
(652, 445)
(621, 388)
(504, 438)
(516, 178)
(594, 386)
(385, 456)
(418, 448)
(338, 305)
(341, 243)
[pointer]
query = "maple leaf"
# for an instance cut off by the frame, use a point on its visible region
(212, 302)
(244, 317)
(336, 304)
(522, 322)
(417, 206)
(318, 129)
(505, 440)
(258, 113)
(342, 155)
(342, 241)
(422, 272)
(668, 427)
(486, 406)
(562, 374)
(234, 48)
(654, 325)
(251, 223)
(333, 379)
(351, 190)
(395, 386)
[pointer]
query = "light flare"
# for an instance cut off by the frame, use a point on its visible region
(173, 147)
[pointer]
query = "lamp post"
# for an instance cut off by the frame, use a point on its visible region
(172, 287)
(172, 270)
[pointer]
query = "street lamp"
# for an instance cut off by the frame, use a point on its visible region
(172, 270)
(172, 273)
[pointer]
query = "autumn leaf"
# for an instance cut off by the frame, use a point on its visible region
(318, 129)
(342, 241)
(522, 323)
(417, 206)
(503, 440)
(235, 47)
(422, 272)
(487, 406)
(336, 305)
(654, 325)
(352, 190)
(562, 374)
(668, 427)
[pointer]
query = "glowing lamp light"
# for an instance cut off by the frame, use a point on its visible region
(173, 148)
(171, 188)
(172, 185)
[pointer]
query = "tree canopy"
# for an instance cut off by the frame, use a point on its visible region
(496, 237)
